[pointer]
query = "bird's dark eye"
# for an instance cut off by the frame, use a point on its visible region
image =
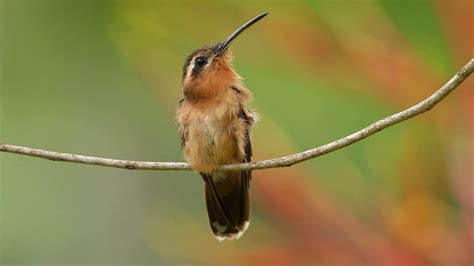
(201, 61)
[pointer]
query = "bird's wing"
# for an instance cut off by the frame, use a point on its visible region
(248, 120)
(182, 130)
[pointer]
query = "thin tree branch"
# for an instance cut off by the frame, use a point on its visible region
(415, 110)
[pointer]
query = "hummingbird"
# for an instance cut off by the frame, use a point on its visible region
(215, 129)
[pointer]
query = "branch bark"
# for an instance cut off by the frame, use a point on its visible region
(290, 160)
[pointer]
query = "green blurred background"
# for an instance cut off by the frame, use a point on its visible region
(103, 78)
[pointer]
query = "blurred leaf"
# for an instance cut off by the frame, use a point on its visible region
(419, 22)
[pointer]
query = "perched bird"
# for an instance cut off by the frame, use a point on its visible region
(215, 127)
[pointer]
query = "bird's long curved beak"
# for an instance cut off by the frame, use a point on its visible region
(225, 44)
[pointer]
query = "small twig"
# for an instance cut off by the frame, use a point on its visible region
(415, 110)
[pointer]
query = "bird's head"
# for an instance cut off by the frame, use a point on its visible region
(209, 68)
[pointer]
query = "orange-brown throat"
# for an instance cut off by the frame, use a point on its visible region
(213, 79)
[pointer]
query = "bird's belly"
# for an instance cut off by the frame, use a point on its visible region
(211, 142)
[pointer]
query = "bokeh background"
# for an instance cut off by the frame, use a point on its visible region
(103, 78)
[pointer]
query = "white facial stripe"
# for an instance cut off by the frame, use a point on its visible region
(190, 67)
(192, 64)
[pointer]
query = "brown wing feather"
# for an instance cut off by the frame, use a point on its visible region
(247, 175)
(182, 131)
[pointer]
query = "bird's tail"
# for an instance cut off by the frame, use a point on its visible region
(228, 203)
